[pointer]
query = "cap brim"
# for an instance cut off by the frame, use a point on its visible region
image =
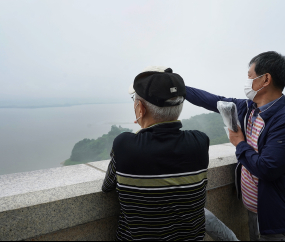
(131, 89)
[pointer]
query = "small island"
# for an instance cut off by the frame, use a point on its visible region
(89, 150)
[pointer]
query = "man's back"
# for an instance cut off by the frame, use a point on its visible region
(161, 175)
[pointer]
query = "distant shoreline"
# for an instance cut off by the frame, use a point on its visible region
(54, 106)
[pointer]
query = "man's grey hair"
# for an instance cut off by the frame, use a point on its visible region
(162, 114)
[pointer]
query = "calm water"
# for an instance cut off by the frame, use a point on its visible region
(33, 139)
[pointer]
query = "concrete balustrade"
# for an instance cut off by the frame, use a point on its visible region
(67, 203)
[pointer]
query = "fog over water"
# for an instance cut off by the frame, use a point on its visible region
(67, 52)
(33, 139)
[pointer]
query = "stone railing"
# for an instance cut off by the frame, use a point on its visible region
(67, 203)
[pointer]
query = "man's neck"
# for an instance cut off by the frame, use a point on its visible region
(268, 98)
(148, 122)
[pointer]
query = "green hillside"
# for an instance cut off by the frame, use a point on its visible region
(89, 150)
(211, 124)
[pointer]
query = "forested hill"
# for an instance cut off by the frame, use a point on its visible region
(211, 124)
(89, 150)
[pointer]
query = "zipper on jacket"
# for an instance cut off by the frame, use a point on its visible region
(244, 122)
(245, 128)
(236, 181)
(258, 227)
(258, 185)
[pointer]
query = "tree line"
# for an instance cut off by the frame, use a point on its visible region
(89, 150)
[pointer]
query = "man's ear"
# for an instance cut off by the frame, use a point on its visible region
(142, 109)
(268, 80)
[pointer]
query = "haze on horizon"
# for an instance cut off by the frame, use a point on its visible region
(52, 50)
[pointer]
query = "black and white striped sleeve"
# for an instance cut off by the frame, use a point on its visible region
(110, 179)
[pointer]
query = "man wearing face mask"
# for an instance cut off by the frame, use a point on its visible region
(160, 173)
(260, 144)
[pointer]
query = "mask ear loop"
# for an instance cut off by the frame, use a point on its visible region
(136, 121)
(255, 79)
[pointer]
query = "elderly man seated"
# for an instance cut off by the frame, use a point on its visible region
(160, 173)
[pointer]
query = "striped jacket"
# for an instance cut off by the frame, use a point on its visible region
(160, 175)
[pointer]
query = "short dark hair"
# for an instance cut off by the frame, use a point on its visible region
(273, 63)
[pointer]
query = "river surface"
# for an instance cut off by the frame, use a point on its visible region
(33, 139)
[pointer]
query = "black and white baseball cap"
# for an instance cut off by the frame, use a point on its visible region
(157, 85)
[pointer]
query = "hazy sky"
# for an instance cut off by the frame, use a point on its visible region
(94, 49)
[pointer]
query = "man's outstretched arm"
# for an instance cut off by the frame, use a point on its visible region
(208, 100)
(110, 179)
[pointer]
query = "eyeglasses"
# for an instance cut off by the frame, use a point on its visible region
(133, 97)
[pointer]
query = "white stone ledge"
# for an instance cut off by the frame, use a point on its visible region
(31, 188)
(44, 201)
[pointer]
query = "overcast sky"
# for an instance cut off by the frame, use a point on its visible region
(94, 49)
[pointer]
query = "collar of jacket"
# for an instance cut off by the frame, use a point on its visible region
(168, 126)
(270, 111)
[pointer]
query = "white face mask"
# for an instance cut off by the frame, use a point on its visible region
(249, 92)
